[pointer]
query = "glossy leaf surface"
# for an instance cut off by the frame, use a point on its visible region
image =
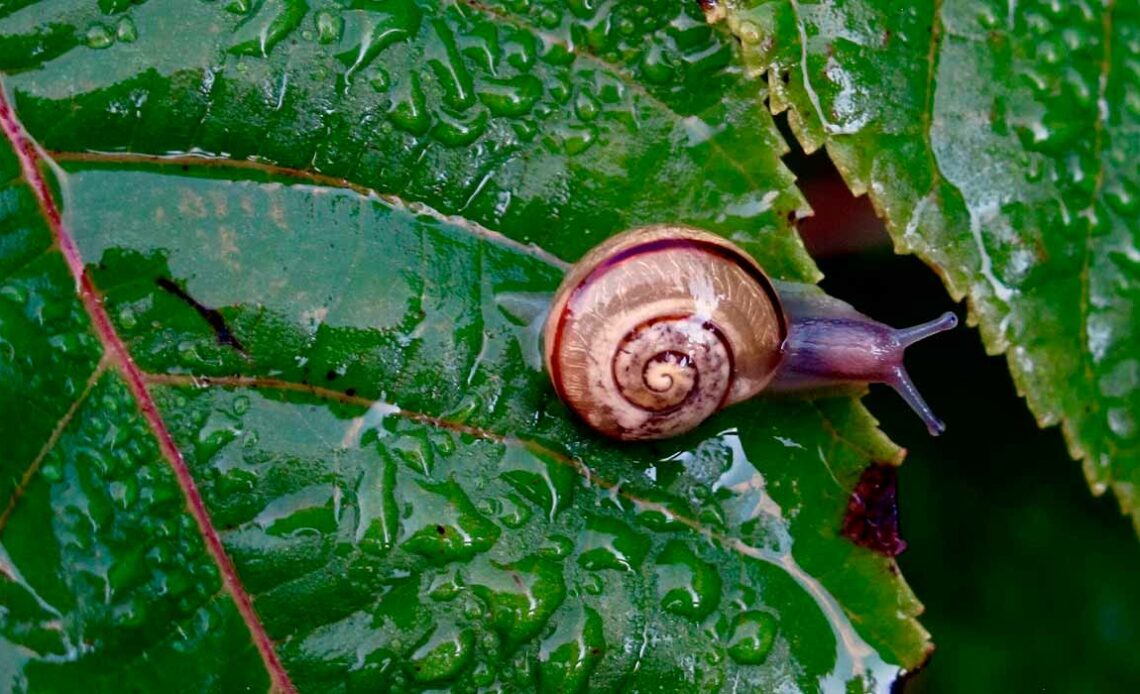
(272, 276)
(999, 142)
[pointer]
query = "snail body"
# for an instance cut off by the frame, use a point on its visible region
(657, 328)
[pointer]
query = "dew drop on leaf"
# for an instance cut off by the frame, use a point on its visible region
(98, 36)
(751, 637)
(126, 30)
(510, 97)
(329, 27)
(687, 585)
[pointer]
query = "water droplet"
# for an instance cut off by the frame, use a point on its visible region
(240, 405)
(124, 493)
(239, 6)
(52, 471)
(482, 675)
(550, 18)
(591, 584)
(99, 36)
(556, 547)
(490, 643)
(472, 608)
(752, 636)
(445, 588)
(583, 9)
(379, 79)
(1122, 195)
(547, 482)
(658, 511)
(526, 130)
(397, 21)
(272, 22)
(1121, 380)
(520, 50)
(586, 106)
(443, 57)
(521, 596)
(609, 543)
(568, 656)
(310, 510)
(444, 525)
(560, 90)
(415, 451)
(467, 408)
(409, 107)
(114, 6)
(576, 138)
(510, 97)
(329, 27)
(15, 294)
(687, 585)
(378, 515)
(127, 318)
(126, 31)
(455, 132)
(515, 512)
(130, 614)
(211, 443)
(1122, 423)
(445, 653)
(443, 442)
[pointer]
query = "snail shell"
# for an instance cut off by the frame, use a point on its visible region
(659, 327)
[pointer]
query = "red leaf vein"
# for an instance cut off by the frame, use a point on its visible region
(31, 158)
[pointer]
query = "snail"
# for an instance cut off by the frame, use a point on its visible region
(657, 328)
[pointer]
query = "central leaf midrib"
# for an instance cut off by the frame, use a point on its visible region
(30, 159)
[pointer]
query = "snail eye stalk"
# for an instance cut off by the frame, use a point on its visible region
(829, 343)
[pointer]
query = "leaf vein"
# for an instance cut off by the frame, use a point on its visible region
(52, 440)
(312, 178)
(846, 634)
(31, 158)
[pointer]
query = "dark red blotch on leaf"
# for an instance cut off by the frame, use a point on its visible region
(872, 519)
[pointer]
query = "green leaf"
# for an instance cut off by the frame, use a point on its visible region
(271, 377)
(999, 141)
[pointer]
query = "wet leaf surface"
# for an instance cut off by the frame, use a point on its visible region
(999, 142)
(271, 279)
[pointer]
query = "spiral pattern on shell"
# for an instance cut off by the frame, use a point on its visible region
(657, 328)
(668, 362)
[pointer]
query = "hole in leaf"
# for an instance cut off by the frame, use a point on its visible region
(842, 222)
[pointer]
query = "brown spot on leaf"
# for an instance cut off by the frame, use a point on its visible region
(872, 519)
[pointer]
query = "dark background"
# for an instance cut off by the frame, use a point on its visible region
(1030, 582)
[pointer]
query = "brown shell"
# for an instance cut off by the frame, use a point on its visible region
(658, 327)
